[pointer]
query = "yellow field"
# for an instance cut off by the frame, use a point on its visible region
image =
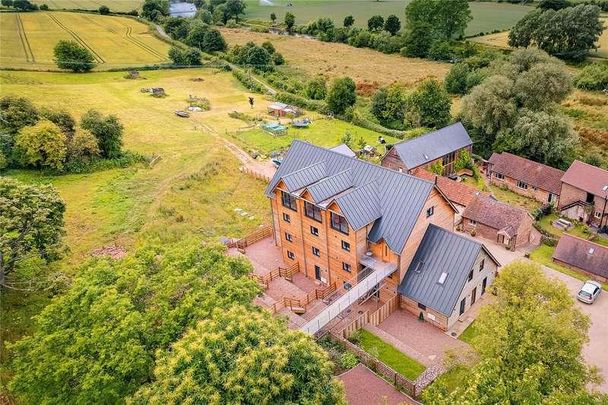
(114, 5)
(27, 40)
(332, 59)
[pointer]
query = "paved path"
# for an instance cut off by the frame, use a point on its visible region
(364, 387)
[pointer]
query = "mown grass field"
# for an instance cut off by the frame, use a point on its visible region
(487, 16)
(312, 57)
(115, 5)
(27, 40)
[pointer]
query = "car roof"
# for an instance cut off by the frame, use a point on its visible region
(589, 287)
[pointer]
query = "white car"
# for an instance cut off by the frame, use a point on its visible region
(589, 292)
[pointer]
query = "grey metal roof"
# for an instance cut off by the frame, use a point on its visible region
(440, 251)
(304, 176)
(428, 147)
(344, 149)
(182, 9)
(400, 196)
(330, 186)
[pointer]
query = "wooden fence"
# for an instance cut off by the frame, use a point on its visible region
(255, 175)
(355, 325)
(302, 303)
(286, 272)
(377, 366)
(375, 318)
(263, 232)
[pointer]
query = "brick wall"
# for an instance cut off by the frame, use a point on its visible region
(537, 194)
(570, 194)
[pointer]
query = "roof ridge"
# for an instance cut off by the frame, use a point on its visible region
(428, 133)
(585, 240)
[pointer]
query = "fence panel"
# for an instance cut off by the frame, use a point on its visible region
(384, 311)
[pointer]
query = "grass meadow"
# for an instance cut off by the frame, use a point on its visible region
(27, 40)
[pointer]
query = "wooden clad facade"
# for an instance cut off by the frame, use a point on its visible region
(393, 161)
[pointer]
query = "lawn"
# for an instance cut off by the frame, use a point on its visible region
(487, 16)
(469, 333)
(579, 230)
(27, 40)
(388, 354)
(512, 198)
(323, 132)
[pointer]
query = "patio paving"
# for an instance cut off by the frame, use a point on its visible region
(264, 255)
(364, 387)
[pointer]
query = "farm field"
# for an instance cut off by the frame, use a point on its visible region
(115, 5)
(312, 57)
(487, 16)
(27, 40)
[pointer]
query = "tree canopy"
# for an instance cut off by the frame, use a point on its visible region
(267, 364)
(447, 18)
(529, 342)
(72, 56)
(31, 226)
(392, 24)
(428, 105)
(108, 130)
(42, 145)
(568, 33)
(341, 95)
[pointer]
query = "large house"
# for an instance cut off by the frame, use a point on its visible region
(341, 218)
(494, 220)
(442, 146)
(525, 177)
(584, 194)
(585, 256)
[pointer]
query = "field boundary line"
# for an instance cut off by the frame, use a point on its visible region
(77, 38)
(140, 44)
(24, 41)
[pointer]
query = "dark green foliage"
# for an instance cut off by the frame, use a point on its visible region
(234, 8)
(44, 7)
(7, 3)
(251, 55)
(440, 50)
(316, 88)
(348, 21)
(456, 80)
(16, 113)
(447, 18)
(176, 27)
(388, 106)
(196, 34)
(72, 56)
(273, 17)
(392, 24)
(31, 226)
(375, 23)
(117, 314)
(213, 41)
(420, 37)
(61, 118)
(290, 20)
(154, 10)
(568, 33)
(185, 57)
(104, 10)
(593, 77)
(24, 5)
(428, 105)
(278, 59)
(108, 130)
(247, 81)
(553, 4)
(269, 47)
(341, 95)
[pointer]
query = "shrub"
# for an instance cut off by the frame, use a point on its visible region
(108, 130)
(293, 99)
(348, 360)
(247, 81)
(44, 7)
(456, 80)
(593, 77)
(41, 145)
(341, 95)
(104, 10)
(71, 56)
(440, 50)
(278, 59)
(316, 88)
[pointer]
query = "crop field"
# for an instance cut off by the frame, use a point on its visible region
(27, 40)
(487, 16)
(313, 57)
(114, 5)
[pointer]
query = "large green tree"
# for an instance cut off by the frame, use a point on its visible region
(245, 357)
(31, 226)
(42, 145)
(568, 33)
(529, 343)
(234, 8)
(70, 55)
(155, 9)
(388, 105)
(428, 105)
(290, 21)
(107, 129)
(341, 95)
(392, 24)
(448, 18)
(97, 342)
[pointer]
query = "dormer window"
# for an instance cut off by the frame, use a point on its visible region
(430, 211)
(338, 222)
(312, 211)
(289, 201)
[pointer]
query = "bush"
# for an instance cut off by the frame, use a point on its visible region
(593, 77)
(363, 122)
(316, 88)
(44, 7)
(302, 102)
(440, 50)
(107, 129)
(341, 95)
(456, 80)
(348, 360)
(104, 10)
(247, 81)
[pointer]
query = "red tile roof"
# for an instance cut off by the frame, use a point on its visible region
(457, 192)
(577, 252)
(495, 214)
(530, 172)
(587, 177)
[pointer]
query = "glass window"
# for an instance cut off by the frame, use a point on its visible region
(471, 275)
(346, 266)
(430, 211)
(286, 217)
(521, 184)
(499, 176)
(314, 230)
(421, 306)
(482, 264)
(288, 201)
(316, 251)
(288, 237)
(338, 222)
(291, 255)
(312, 211)
(346, 246)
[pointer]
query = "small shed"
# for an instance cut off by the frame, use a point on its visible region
(182, 9)
(283, 110)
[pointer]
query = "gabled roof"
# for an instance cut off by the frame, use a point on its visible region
(587, 177)
(530, 172)
(344, 149)
(426, 148)
(182, 9)
(581, 253)
(457, 192)
(495, 214)
(394, 200)
(441, 251)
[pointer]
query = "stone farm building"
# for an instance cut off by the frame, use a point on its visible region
(442, 146)
(525, 177)
(494, 220)
(584, 194)
(182, 9)
(585, 256)
(347, 221)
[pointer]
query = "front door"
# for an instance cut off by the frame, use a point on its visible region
(501, 239)
(483, 286)
(473, 295)
(318, 273)
(463, 303)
